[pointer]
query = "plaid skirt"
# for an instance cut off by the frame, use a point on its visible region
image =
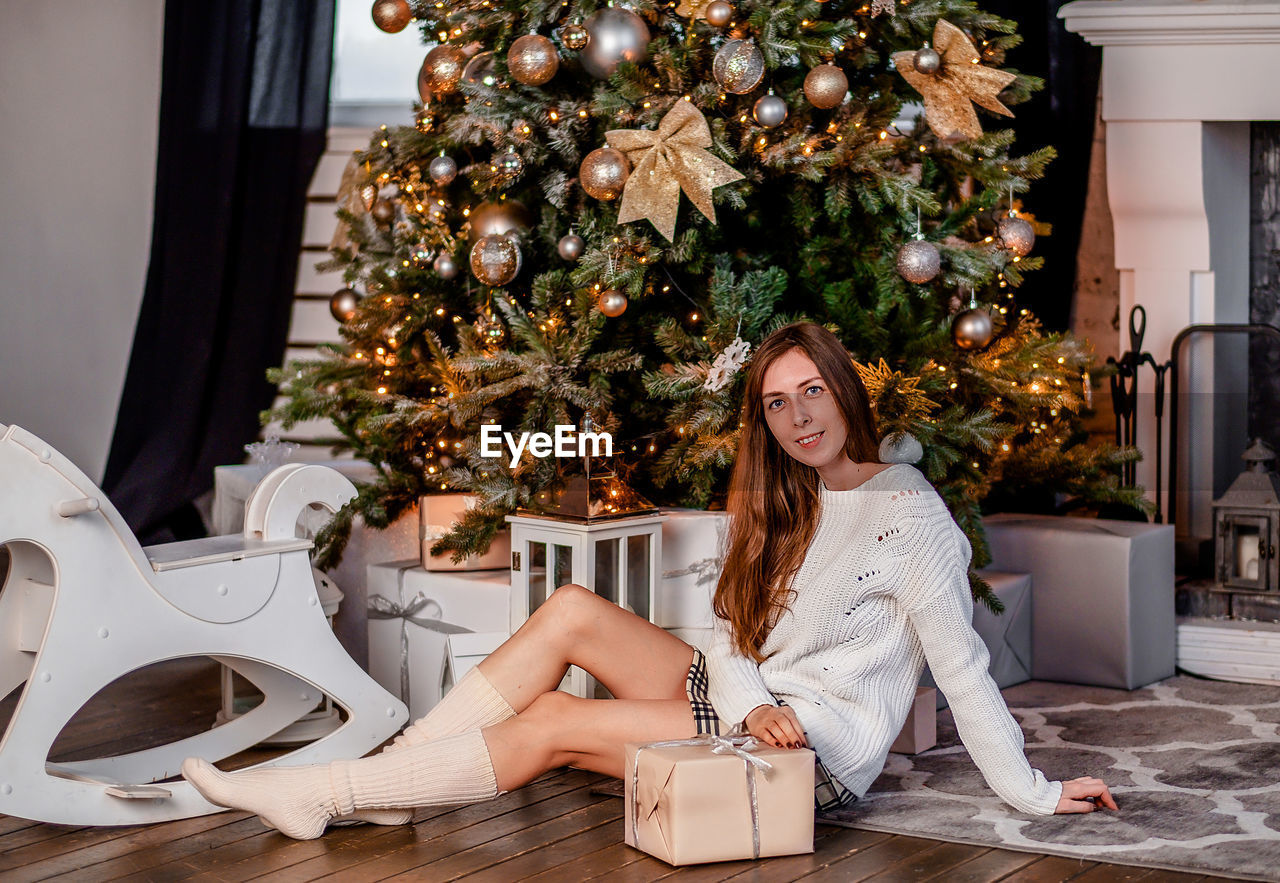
(828, 793)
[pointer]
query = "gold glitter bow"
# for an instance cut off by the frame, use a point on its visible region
(960, 80)
(665, 162)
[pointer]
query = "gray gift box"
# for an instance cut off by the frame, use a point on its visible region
(1103, 596)
(1007, 635)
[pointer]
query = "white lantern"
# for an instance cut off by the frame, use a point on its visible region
(610, 549)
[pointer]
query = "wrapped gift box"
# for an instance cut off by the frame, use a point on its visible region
(412, 614)
(1103, 610)
(686, 804)
(438, 513)
(920, 731)
(693, 543)
(232, 486)
(1007, 635)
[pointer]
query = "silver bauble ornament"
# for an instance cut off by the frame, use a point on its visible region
(490, 329)
(900, 447)
(570, 246)
(825, 86)
(480, 70)
(575, 37)
(441, 69)
(918, 261)
(612, 302)
(1016, 234)
(604, 172)
(532, 60)
(972, 329)
(738, 66)
(927, 61)
(508, 163)
(617, 35)
(392, 16)
(383, 211)
(770, 111)
(445, 266)
(343, 304)
(507, 216)
(495, 259)
(718, 13)
(442, 169)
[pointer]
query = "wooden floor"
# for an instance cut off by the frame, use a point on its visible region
(555, 829)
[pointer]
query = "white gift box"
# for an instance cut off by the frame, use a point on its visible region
(693, 543)
(438, 513)
(413, 613)
(1103, 590)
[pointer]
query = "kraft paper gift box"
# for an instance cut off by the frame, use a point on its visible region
(1102, 591)
(438, 513)
(686, 804)
(1007, 635)
(413, 612)
(693, 543)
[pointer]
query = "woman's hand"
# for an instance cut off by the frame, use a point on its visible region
(1085, 795)
(775, 725)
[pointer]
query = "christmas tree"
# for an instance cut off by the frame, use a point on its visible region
(600, 207)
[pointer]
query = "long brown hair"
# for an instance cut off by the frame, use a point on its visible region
(774, 499)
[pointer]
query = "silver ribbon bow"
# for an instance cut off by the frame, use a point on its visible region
(381, 607)
(738, 745)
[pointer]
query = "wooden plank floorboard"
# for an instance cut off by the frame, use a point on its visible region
(531, 864)
(939, 859)
(991, 865)
(607, 861)
(829, 845)
(1051, 869)
(866, 862)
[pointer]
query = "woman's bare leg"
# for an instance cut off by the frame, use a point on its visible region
(558, 729)
(632, 657)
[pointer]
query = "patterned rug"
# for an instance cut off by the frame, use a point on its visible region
(1194, 765)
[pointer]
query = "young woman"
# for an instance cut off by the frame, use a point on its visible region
(841, 578)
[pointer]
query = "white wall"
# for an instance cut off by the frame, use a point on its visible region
(79, 101)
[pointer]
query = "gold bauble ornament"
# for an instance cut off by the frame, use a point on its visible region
(604, 173)
(1016, 234)
(480, 70)
(343, 304)
(421, 254)
(532, 60)
(575, 37)
(959, 82)
(392, 16)
(617, 35)
(825, 86)
(738, 66)
(972, 329)
(612, 302)
(445, 266)
(495, 259)
(499, 219)
(441, 70)
(718, 13)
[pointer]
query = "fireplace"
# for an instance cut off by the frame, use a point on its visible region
(1188, 101)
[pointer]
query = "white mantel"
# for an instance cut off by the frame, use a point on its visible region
(1181, 80)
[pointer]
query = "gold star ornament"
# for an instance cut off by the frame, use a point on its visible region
(666, 161)
(959, 82)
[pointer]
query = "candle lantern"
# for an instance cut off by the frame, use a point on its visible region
(596, 532)
(1247, 526)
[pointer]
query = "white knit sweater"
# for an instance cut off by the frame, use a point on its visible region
(883, 588)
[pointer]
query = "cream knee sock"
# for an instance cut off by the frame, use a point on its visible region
(473, 704)
(301, 801)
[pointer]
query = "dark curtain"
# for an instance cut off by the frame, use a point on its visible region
(243, 113)
(1061, 116)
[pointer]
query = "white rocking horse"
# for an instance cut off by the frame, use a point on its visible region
(84, 604)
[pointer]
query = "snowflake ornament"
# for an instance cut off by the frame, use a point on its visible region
(727, 364)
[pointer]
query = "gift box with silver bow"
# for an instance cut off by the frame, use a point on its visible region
(413, 612)
(712, 799)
